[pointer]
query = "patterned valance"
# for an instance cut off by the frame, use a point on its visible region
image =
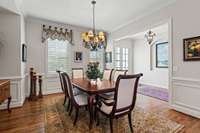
(56, 33)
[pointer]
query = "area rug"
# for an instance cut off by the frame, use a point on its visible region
(57, 120)
(152, 91)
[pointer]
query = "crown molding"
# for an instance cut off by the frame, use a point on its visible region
(141, 16)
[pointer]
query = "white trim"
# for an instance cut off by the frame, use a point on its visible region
(141, 16)
(187, 85)
(186, 79)
(12, 105)
(14, 77)
(52, 91)
(187, 106)
(156, 85)
(189, 111)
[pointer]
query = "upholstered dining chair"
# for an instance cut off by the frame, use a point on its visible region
(124, 100)
(114, 76)
(116, 73)
(62, 86)
(76, 101)
(107, 74)
(77, 73)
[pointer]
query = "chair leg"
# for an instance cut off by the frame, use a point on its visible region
(71, 109)
(65, 100)
(111, 125)
(130, 122)
(69, 104)
(97, 118)
(76, 116)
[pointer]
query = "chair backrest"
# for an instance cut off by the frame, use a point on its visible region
(77, 73)
(61, 79)
(107, 74)
(125, 95)
(116, 73)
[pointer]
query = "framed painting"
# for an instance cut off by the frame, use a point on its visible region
(24, 53)
(78, 57)
(191, 49)
(108, 57)
(162, 55)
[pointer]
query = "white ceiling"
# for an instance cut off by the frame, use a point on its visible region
(110, 14)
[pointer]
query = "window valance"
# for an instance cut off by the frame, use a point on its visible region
(56, 33)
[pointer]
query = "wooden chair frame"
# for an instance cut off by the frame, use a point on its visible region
(125, 110)
(73, 102)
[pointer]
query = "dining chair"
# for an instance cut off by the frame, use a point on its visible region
(117, 73)
(76, 101)
(62, 86)
(77, 73)
(114, 74)
(107, 74)
(124, 100)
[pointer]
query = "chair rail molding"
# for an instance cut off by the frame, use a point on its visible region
(186, 95)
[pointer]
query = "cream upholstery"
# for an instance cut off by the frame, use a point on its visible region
(125, 93)
(81, 99)
(106, 74)
(77, 73)
(124, 97)
(116, 73)
(108, 109)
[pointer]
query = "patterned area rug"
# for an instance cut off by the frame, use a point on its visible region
(152, 91)
(57, 120)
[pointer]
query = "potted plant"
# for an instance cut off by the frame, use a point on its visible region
(93, 72)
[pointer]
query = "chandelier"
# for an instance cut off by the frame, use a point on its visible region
(150, 36)
(91, 39)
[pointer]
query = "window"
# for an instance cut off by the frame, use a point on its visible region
(58, 55)
(98, 56)
(121, 58)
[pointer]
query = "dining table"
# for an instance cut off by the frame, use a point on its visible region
(93, 89)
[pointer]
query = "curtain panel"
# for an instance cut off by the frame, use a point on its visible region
(56, 33)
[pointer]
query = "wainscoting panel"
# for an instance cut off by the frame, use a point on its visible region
(17, 89)
(186, 96)
(52, 85)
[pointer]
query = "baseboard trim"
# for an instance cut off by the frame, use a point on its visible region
(12, 105)
(154, 85)
(186, 110)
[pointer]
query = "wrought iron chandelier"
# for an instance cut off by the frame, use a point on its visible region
(150, 36)
(91, 39)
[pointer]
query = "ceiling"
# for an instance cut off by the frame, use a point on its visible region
(110, 14)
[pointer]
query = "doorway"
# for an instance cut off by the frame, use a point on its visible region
(153, 61)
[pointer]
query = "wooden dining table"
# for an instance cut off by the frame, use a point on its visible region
(100, 87)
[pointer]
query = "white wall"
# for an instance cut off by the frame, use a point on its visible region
(186, 75)
(12, 35)
(36, 51)
(141, 61)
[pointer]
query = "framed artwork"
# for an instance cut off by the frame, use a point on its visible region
(78, 57)
(191, 49)
(24, 53)
(108, 57)
(162, 55)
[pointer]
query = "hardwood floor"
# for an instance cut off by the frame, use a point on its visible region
(30, 118)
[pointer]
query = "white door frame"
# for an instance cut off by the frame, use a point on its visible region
(170, 54)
